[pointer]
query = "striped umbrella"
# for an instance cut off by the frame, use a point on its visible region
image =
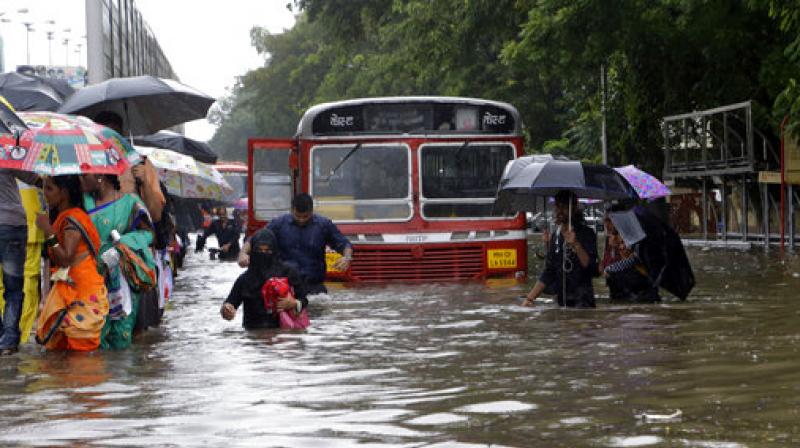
(56, 144)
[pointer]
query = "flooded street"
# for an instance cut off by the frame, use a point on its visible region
(436, 365)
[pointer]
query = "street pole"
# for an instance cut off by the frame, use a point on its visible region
(50, 48)
(66, 46)
(28, 30)
(603, 139)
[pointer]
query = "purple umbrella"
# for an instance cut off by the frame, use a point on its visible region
(645, 184)
(240, 204)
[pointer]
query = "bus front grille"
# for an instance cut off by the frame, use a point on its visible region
(417, 264)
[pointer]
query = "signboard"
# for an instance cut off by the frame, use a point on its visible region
(74, 76)
(414, 117)
(501, 258)
(791, 159)
(769, 177)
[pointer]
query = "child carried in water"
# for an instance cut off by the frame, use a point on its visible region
(274, 290)
(247, 290)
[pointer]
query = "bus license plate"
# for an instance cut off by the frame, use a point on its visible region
(501, 258)
(330, 260)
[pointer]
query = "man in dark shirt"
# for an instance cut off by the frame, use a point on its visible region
(302, 237)
(247, 288)
(227, 232)
(573, 244)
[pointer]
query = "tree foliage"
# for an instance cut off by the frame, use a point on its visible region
(546, 57)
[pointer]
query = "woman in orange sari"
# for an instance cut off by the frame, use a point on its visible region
(77, 305)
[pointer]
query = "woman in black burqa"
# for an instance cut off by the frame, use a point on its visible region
(264, 264)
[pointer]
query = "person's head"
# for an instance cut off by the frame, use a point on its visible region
(222, 213)
(110, 120)
(614, 238)
(62, 192)
(302, 208)
(93, 183)
(262, 247)
(566, 201)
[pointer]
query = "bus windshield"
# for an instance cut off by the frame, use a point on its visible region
(367, 182)
(459, 180)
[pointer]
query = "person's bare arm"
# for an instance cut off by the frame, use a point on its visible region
(244, 255)
(149, 190)
(535, 292)
(571, 239)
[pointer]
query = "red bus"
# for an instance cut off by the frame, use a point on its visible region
(410, 181)
(235, 173)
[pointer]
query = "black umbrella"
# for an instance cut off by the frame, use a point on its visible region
(196, 149)
(146, 104)
(663, 254)
(659, 248)
(528, 178)
(61, 86)
(29, 93)
(10, 122)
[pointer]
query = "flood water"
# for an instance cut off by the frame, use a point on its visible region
(436, 365)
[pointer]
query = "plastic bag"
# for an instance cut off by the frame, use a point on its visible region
(119, 300)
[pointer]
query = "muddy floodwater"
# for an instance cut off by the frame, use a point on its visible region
(436, 365)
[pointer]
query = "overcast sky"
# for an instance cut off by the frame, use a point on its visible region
(207, 42)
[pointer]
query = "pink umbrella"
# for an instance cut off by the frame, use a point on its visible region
(240, 204)
(645, 184)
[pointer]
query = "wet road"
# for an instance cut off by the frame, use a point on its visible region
(436, 365)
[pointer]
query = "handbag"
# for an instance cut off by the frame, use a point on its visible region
(292, 320)
(140, 276)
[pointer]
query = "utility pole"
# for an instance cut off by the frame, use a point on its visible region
(50, 34)
(28, 29)
(66, 52)
(50, 48)
(603, 138)
(67, 32)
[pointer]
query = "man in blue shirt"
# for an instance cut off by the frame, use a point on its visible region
(302, 237)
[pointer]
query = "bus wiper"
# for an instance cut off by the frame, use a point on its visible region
(461, 149)
(341, 162)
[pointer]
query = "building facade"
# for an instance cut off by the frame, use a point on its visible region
(120, 43)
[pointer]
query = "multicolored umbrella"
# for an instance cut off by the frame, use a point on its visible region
(645, 184)
(56, 144)
(186, 177)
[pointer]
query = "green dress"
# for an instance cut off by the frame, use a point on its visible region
(124, 215)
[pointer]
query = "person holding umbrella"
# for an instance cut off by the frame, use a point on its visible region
(626, 275)
(121, 220)
(571, 259)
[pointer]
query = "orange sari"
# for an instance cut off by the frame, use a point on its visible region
(77, 305)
